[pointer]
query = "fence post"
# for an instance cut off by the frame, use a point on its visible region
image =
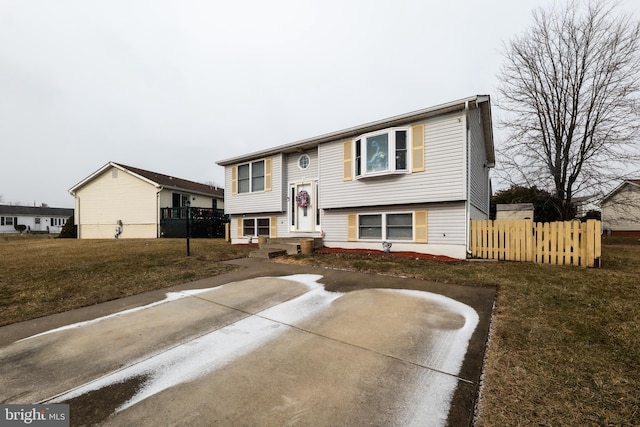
(472, 240)
(591, 244)
(597, 229)
(530, 232)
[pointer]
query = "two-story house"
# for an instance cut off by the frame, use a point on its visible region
(413, 180)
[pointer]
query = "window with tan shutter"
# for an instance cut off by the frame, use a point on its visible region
(274, 227)
(417, 148)
(252, 177)
(268, 165)
(379, 153)
(347, 163)
(421, 229)
(386, 226)
(352, 227)
(234, 180)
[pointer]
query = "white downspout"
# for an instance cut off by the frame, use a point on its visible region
(468, 173)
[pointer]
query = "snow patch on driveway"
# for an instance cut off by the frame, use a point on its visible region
(432, 389)
(193, 359)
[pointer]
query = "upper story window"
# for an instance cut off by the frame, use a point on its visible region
(304, 161)
(381, 153)
(251, 177)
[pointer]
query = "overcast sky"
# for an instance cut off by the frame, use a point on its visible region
(174, 86)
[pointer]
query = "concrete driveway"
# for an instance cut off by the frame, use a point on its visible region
(270, 344)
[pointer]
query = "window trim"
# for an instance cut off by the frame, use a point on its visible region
(256, 227)
(308, 161)
(251, 176)
(384, 227)
(360, 154)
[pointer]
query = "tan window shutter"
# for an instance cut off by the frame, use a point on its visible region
(352, 227)
(347, 159)
(234, 179)
(273, 224)
(417, 148)
(420, 219)
(239, 224)
(267, 174)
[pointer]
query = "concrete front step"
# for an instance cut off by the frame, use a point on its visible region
(289, 248)
(266, 253)
(317, 241)
(282, 246)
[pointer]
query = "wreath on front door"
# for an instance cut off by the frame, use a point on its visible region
(302, 199)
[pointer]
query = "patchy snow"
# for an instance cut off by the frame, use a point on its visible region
(433, 389)
(204, 354)
(169, 296)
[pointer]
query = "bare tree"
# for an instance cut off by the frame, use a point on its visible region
(569, 87)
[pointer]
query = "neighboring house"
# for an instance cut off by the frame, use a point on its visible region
(413, 180)
(37, 219)
(514, 211)
(128, 202)
(586, 204)
(621, 210)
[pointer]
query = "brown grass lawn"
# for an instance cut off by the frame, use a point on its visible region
(41, 276)
(565, 346)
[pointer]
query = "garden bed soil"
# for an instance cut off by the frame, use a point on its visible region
(394, 254)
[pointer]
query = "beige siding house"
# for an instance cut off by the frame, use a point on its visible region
(413, 180)
(119, 201)
(621, 210)
(514, 211)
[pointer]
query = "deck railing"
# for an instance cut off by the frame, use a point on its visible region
(196, 213)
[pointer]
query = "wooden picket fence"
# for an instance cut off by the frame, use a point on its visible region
(568, 242)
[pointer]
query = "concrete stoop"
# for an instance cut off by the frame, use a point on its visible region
(281, 246)
(267, 253)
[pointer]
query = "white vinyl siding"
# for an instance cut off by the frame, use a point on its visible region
(445, 222)
(295, 174)
(442, 179)
(41, 222)
(263, 201)
(478, 170)
(446, 229)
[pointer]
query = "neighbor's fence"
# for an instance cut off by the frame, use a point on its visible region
(569, 242)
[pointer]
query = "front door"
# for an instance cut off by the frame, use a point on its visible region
(303, 209)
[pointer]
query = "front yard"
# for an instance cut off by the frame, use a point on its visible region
(564, 347)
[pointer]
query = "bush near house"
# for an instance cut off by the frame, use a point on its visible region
(69, 230)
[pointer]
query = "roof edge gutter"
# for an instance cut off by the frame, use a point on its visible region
(357, 130)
